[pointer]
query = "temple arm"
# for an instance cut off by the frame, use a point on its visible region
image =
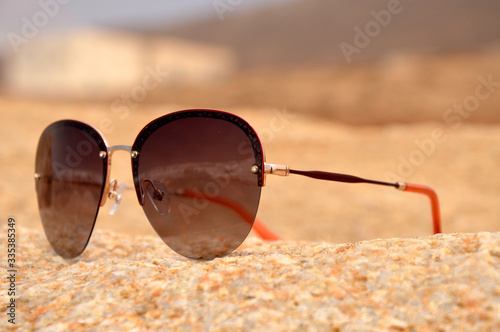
(116, 190)
(258, 226)
(284, 170)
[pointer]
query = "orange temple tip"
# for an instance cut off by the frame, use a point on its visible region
(429, 192)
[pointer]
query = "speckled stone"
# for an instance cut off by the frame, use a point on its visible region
(445, 282)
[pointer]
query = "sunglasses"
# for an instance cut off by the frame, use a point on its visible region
(198, 176)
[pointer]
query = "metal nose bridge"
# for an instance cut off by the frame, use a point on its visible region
(114, 148)
(110, 152)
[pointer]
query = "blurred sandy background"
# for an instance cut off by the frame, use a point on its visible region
(313, 108)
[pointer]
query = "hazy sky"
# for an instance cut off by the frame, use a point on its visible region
(65, 14)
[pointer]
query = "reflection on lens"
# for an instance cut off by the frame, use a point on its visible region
(70, 177)
(204, 159)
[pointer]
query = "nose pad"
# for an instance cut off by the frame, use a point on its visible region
(116, 194)
(158, 195)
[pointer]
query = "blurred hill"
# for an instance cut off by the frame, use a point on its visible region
(399, 89)
(101, 64)
(311, 31)
(426, 57)
(415, 60)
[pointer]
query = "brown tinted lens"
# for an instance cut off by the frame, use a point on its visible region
(70, 177)
(194, 175)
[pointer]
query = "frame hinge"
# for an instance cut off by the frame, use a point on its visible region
(281, 170)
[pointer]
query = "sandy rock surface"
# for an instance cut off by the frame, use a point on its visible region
(438, 283)
(128, 279)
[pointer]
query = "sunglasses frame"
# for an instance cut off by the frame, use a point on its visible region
(260, 168)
